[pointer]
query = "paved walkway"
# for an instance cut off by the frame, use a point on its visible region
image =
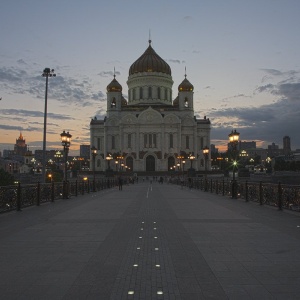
(150, 242)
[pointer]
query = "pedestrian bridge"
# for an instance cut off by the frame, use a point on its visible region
(150, 241)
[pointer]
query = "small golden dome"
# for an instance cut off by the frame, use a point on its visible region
(114, 86)
(185, 86)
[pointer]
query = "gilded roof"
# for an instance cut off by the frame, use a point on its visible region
(114, 86)
(150, 61)
(185, 86)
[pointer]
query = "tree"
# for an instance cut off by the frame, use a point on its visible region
(6, 178)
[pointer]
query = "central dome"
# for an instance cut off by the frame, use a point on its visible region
(150, 61)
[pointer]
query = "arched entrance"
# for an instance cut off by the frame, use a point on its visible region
(171, 163)
(150, 163)
(129, 163)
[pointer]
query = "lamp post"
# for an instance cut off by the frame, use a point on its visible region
(183, 164)
(205, 152)
(46, 73)
(191, 158)
(94, 151)
(50, 177)
(108, 158)
(233, 140)
(66, 142)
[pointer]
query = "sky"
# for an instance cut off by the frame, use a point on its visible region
(243, 58)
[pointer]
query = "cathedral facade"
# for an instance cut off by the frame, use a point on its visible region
(150, 131)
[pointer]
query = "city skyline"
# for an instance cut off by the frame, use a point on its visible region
(242, 58)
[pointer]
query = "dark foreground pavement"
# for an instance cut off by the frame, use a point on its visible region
(150, 242)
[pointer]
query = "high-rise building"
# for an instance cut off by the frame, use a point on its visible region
(286, 145)
(20, 147)
(150, 130)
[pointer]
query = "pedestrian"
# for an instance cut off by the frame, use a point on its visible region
(120, 183)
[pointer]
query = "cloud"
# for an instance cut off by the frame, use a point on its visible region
(290, 91)
(267, 123)
(273, 72)
(236, 96)
(108, 73)
(175, 61)
(36, 114)
(62, 88)
(267, 87)
(98, 96)
(187, 18)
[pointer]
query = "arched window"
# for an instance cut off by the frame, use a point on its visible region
(141, 93)
(186, 102)
(150, 140)
(187, 142)
(129, 140)
(113, 103)
(201, 143)
(171, 141)
(150, 163)
(158, 92)
(149, 92)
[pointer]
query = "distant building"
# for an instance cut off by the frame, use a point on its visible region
(246, 145)
(286, 145)
(8, 153)
(150, 129)
(50, 154)
(85, 151)
(273, 150)
(213, 149)
(263, 153)
(20, 147)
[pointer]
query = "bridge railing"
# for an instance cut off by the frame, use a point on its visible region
(19, 196)
(278, 195)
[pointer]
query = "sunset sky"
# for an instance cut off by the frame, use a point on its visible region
(243, 58)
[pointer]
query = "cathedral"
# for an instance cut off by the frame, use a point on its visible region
(150, 131)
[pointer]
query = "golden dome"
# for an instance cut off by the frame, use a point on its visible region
(114, 86)
(185, 86)
(150, 61)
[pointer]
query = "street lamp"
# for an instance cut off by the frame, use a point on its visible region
(46, 73)
(191, 158)
(94, 151)
(205, 152)
(66, 142)
(50, 177)
(183, 164)
(108, 158)
(233, 140)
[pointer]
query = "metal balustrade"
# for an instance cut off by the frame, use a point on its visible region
(278, 195)
(20, 196)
